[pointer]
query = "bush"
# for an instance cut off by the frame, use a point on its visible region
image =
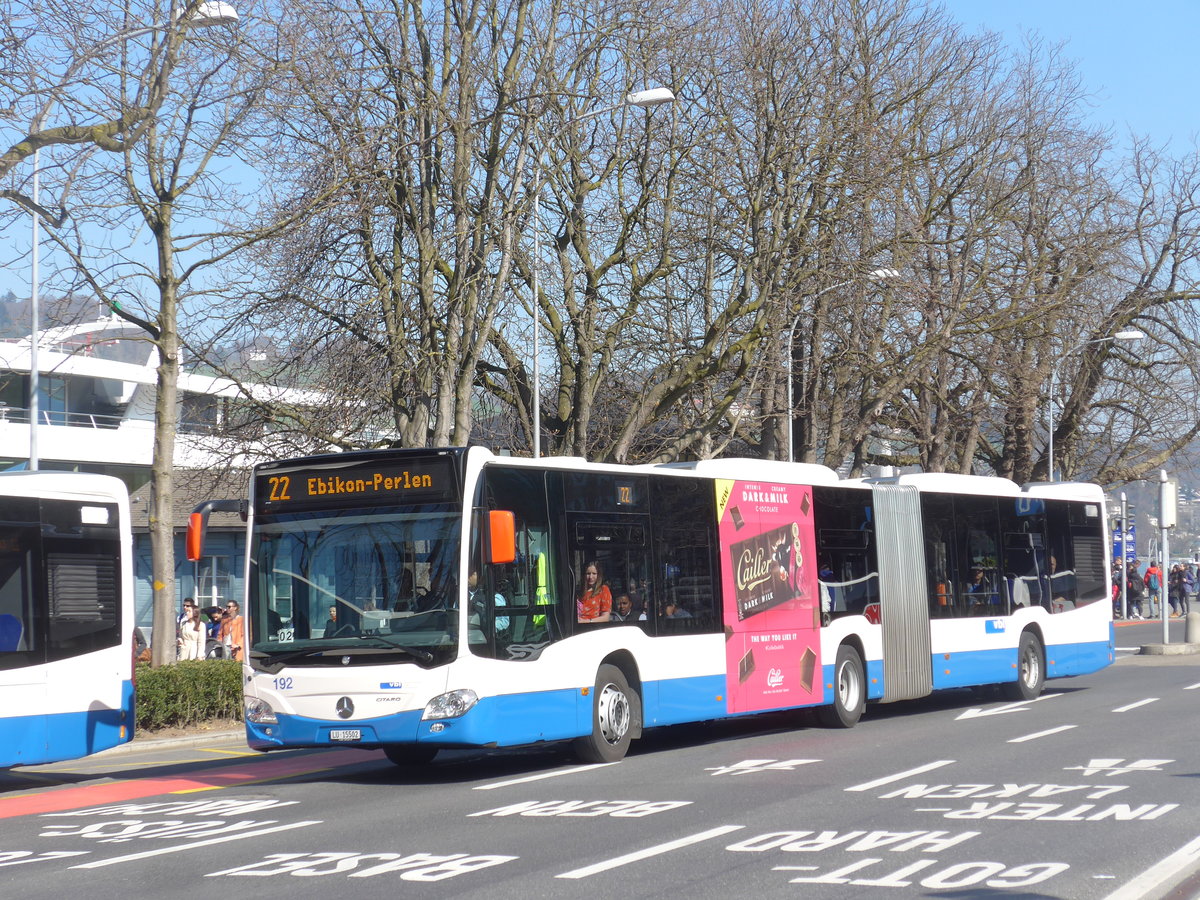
(188, 692)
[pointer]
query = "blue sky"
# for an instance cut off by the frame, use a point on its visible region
(1137, 59)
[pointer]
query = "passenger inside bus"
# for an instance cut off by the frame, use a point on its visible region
(595, 599)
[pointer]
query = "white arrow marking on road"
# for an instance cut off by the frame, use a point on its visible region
(540, 777)
(977, 712)
(179, 848)
(900, 776)
(650, 851)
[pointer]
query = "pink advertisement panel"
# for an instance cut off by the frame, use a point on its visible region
(769, 585)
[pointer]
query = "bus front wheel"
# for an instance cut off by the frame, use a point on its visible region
(1031, 670)
(849, 691)
(613, 704)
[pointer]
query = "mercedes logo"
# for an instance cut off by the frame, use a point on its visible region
(345, 707)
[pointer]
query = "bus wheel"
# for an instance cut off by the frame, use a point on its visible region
(410, 754)
(612, 719)
(1031, 672)
(849, 691)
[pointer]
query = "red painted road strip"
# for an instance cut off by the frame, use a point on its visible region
(100, 794)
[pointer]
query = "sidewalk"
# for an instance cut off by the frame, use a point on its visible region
(194, 738)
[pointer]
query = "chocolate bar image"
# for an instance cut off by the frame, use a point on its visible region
(808, 668)
(764, 570)
(738, 521)
(746, 665)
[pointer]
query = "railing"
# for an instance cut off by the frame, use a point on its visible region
(20, 415)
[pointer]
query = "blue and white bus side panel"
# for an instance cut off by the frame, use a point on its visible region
(66, 709)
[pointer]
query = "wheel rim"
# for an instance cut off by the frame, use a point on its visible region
(612, 710)
(848, 686)
(1030, 667)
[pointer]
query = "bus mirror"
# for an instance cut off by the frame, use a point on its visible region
(198, 523)
(502, 536)
(195, 535)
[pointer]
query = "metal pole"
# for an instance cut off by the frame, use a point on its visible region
(1050, 416)
(35, 317)
(537, 254)
(1164, 553)
(790, 354)
(1124, 556)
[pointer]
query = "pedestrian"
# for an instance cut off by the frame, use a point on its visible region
(191, 634)
(187, 601)
(1153, 581)
(1135, 587)
(233, 630)
(1189, 588)
(1175, 590)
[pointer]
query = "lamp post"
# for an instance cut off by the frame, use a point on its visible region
(207, 14)
(874, 275)
(1131, 334)
(641, 99)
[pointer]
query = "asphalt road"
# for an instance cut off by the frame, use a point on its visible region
(1092, 791)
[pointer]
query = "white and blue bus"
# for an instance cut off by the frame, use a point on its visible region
(414, 600)
(66, 616)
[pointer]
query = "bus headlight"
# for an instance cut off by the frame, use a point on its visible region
(259, 712)
(448, 706)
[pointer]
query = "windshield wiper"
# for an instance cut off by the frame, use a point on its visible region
(414, 652)
(278, 661)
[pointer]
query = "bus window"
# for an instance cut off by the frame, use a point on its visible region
(16, 609)
(685, 584)
(532, 614)
(846, 562)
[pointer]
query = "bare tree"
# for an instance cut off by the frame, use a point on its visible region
(160, 208)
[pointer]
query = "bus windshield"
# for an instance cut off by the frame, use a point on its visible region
(368, 584)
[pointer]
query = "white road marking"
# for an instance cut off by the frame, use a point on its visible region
(1193, 687)
(1130, 706)
(541, 777)
(650, 851)
(1041, 734)
(178, 848)
(1160, 873)
(1018, 706)
(900, 776)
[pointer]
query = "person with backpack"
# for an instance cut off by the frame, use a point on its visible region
(1134, 589)
(1153, 581)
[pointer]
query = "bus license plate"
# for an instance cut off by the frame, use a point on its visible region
(345, 734)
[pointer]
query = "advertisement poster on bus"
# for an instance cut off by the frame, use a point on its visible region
(769, 582)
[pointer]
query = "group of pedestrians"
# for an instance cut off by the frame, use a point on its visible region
(1180, 585)
(225, 626)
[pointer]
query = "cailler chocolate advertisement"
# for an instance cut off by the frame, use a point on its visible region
(769, 581)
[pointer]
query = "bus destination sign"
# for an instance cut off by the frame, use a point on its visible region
(385, 481)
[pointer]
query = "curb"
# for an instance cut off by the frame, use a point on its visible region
(187, 740)
(1169, 649)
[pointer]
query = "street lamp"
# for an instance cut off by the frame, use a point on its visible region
(1131, 334)
(874, 275)
(641, 99)
(206, 15)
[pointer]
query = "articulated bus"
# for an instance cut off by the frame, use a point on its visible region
(66, 616)
(414, 600)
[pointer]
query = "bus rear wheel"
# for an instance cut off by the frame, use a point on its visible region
(410, 754)
(1031, 670)
(849, 691)
(613, 704)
